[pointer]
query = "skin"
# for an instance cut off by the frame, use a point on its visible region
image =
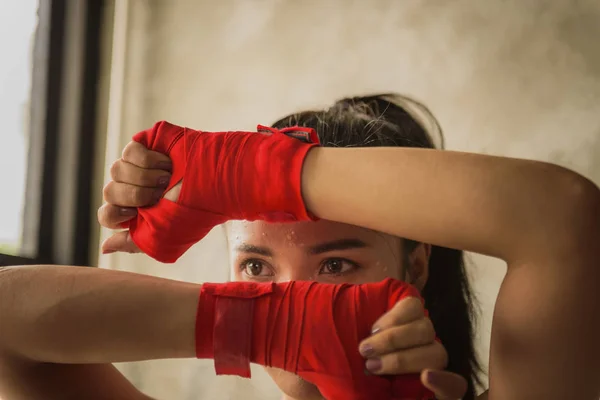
(404, 344)
(544, 221)
(331, 252)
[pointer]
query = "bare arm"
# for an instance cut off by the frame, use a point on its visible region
(87, 316)
(26, 381)
(543, 220)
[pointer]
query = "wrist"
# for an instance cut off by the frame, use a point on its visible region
(311, 180)
(275, 194)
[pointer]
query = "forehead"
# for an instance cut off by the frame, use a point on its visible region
(302, 233)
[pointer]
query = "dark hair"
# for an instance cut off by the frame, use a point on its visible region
(391, 120)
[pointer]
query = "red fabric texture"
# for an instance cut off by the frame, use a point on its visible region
(226, 175)
(310, 329)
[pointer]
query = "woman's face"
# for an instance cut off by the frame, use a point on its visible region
(321, 251)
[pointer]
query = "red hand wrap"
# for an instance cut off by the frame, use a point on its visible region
(307, 328)
(226, 175)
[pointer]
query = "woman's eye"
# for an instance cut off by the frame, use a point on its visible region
(336, 266)
(255, 268)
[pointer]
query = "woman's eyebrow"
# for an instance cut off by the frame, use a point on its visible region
(341, 244)
(250, 248)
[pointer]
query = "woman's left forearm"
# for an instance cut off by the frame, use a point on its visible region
(88, 315)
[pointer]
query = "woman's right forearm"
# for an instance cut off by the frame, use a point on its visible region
(516, 210)
(88, 315)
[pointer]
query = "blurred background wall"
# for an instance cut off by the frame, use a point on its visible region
(511, 78)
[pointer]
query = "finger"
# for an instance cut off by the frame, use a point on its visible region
(413, 334)
(112, 217)
(137, 154)
(123, 172)
(409, 361)
(405, 311)
(444, 384)
(120, 241)
(125, 195)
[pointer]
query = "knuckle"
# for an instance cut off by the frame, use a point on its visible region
(138, 155)
(385, 321)
(108, 216)
(128, 151)
(426, 330)
(101, 215)
(395, 363)
(138, 197)
(388, 340)
(115, 169)
(133, 175)
(146, 178)
(105, 214)
(135, 196)
(107, 192)
(409, 309)
(415, 306)
(144, 159)
(442, 356)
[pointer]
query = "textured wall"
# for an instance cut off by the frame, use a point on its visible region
(513, 78)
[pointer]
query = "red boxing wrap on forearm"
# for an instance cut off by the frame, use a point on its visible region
(307, 328)
(226, 175)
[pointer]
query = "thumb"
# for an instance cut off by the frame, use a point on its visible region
(120, 241)
(445, 385)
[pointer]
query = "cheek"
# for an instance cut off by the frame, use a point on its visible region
(386, 263)
(375, 272)
(390, 271)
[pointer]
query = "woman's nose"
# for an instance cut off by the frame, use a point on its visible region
(297, 272)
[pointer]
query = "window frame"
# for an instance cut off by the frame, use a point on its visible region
(60, 162)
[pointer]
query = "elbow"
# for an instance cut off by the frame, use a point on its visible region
(581, 202)
(560, 222)
(576, 213)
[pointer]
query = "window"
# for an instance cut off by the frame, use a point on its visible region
(48, 78)
(18, 22)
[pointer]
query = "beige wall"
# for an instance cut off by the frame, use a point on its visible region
(509, 78)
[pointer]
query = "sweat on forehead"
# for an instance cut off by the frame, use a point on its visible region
(294, 230)
(320, 236)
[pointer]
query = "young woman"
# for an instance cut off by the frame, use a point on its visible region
(544, 221)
